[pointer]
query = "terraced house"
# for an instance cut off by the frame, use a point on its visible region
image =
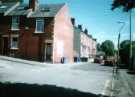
(36, 32)
(84, 43)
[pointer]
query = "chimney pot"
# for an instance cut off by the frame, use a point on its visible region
(86, 31)
(73, 21)
(80, 27)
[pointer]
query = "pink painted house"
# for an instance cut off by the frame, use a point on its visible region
(63, 36)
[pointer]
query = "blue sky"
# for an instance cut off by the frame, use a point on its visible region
(96, 16)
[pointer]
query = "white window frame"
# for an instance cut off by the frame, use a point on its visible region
(11, 42)
(39, 20)
(15, 23)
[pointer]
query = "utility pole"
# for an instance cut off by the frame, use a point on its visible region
(119, 35)
(118, 55)
(130, 32)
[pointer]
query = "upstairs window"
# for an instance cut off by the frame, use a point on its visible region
(14, 42)
(3, 7)
(39, 26)
(15, 23)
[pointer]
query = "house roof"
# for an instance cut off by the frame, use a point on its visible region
(22, 9)
(44, 10)
(47, 10)
(5, 6)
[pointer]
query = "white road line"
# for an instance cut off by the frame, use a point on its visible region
(107, 88)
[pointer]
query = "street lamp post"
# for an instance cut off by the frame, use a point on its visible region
(119, 35)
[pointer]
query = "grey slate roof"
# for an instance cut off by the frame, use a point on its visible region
(22, 9)
(44, 10)
(47, 10)
(5, 6)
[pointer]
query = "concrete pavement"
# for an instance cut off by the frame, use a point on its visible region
(127, 82)
(123, 84)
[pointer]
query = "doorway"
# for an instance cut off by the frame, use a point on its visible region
(5, 46)
(48, 52)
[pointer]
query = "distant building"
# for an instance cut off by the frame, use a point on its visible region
(84, 44)
(94, 47)
(77, 41)
(36, 32)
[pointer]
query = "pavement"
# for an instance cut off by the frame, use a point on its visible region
(127, 84)
(122, 84)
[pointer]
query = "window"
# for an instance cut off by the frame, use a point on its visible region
(15, 23)
(39, 26)
(45, 9)
(14, 42)
(2, 7)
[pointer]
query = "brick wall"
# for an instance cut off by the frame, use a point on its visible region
(31, 44)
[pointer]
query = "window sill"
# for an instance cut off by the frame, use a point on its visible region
(14, 48)
(13, 29)
(36, 32)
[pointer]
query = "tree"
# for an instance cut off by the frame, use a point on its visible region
(108, 47)
(98, 47)
(126, 4)
(125, 51)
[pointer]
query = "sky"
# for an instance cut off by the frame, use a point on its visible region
(98, 18)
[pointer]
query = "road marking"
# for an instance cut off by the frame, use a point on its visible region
(107, 88)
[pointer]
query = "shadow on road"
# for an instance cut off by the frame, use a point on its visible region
(34, 90)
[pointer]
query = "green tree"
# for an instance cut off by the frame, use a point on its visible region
(98, 47)
(125, 51)
(126, 4)
(108, 47)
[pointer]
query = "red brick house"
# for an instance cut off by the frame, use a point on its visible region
(36, 32)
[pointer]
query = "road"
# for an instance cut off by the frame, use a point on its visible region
(86, 77)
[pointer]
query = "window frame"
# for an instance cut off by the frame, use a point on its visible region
(11, 42)
(15, 23)
(38, 30)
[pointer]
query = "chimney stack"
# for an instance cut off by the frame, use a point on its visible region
(80, 27)
(33, 4)
(86, 31)
(73, 21)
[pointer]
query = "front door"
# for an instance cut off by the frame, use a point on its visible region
(1, 44)
(5, 46)
(48, 52)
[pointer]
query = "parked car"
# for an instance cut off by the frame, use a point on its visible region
(109, 61)
(99, 60)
